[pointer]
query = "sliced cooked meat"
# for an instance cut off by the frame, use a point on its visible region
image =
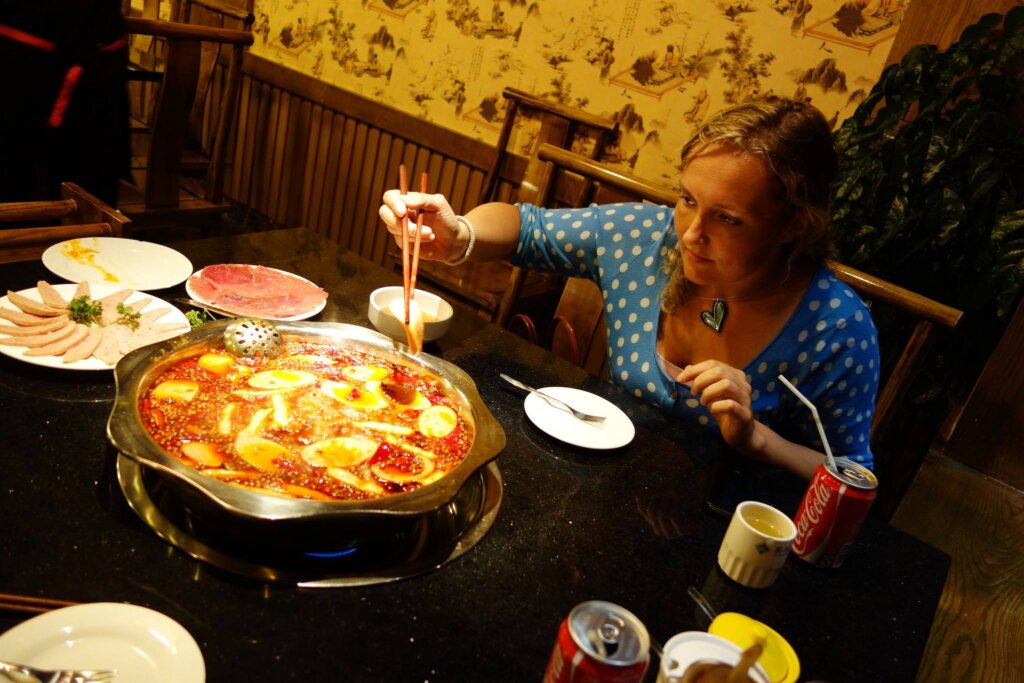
(33, 307)
(38, 340)
(106, 350)
(24, 319)
(109, 303)
(82, 290)
(84, 348)
(78, 333)
(50, 296)
(30, 330)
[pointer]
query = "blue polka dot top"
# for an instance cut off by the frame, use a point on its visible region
(828, 349)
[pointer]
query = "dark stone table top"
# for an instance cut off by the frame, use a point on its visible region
(629, 526)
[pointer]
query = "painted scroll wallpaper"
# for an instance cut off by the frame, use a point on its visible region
(657, 66)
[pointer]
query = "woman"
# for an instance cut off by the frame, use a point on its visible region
(738, 268)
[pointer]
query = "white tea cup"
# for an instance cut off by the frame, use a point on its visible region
(756, 544)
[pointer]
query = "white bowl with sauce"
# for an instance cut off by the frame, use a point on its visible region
(437, 313)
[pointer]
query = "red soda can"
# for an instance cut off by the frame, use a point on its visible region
(832, 512)
(599, 642)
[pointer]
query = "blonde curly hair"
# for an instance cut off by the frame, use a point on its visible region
(794, 141)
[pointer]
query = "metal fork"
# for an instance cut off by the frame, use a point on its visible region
(557, 403)
(58, 676)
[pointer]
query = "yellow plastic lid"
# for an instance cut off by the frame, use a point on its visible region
(778, 658)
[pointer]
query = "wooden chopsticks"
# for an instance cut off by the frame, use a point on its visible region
(11, 602)
(403, 186)
(410, 265)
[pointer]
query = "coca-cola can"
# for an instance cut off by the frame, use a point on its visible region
(832, 512)
(599, 642)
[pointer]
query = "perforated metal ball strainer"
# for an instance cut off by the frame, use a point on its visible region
(252, 338)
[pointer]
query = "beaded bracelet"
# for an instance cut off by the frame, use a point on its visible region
(469, 246)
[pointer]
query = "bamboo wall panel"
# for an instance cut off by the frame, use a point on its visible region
(304, 154)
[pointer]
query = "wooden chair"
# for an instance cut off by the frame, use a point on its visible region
(181, 114)
(79, 215)
(559, 126)
(482, 284)
(556, 173)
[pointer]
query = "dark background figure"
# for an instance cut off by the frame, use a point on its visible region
(64, 110)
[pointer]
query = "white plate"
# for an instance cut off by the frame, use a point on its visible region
(616, 431)
(142, 645)
(301, 316)
(97, 291)
(118, 261)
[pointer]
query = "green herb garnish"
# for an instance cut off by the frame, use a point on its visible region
(85, 311)
(129, 316)
(198, 318)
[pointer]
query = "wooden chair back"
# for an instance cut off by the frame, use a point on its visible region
(158, 193)
(559, 126)
(482, 285)
(552, 175)
(77, 214)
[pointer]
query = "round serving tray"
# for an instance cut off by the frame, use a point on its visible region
(429, 542)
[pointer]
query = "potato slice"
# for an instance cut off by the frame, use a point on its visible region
(225, 421)
(282, 413)
(176, 390)
(311, 359)
(363, 398)
(259, 452)
(340, 451)
(397, 430)
(364, 373)
(413, 328)
(437, 421)
(281, 379)
(346, 477)
(217, 363)
(203, 453)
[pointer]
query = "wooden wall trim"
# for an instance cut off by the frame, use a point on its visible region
(393, 121)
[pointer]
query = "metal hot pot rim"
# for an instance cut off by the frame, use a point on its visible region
(137, 371)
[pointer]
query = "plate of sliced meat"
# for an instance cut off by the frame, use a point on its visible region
(88, 326)
(256, 292)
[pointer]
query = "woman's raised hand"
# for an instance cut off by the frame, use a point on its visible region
(441, 239)
(725, 392)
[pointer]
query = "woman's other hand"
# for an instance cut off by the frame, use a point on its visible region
(442, 237)
(724, 391)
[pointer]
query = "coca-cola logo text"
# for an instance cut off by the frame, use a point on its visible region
(815, 504)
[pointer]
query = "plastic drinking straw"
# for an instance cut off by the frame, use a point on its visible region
(817, 421)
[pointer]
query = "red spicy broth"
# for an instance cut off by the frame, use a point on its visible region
(317, 422)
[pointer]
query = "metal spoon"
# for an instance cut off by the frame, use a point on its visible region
(557, 403)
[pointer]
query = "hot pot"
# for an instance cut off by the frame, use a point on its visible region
(230, 512)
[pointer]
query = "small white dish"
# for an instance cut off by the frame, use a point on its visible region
(97, 291)
(683, 650)
(142, 645)
(118, 261)
(437, 313)
(616, 431)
